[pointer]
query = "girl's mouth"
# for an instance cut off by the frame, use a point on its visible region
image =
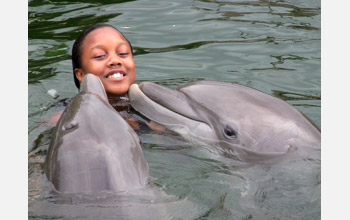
(116, 75)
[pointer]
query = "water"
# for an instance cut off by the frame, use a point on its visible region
(273, 46)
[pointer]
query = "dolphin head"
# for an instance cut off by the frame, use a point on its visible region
(93, 148)
(92, 84)
(239, 117)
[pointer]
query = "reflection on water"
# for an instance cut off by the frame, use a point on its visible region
(273, 46)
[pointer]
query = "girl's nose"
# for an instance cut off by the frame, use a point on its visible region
(114, 60)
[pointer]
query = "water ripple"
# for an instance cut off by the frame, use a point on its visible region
(273, 46)
(195, 45)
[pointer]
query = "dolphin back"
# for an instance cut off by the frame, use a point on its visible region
(93, 148)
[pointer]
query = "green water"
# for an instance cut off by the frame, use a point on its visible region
(273, 46)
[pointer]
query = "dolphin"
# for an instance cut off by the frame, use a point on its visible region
(93, 148)
(245, 123)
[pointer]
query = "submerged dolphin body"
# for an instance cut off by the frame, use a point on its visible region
(247, 124)
(93, 147)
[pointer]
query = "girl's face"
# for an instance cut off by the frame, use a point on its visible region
(106, 54)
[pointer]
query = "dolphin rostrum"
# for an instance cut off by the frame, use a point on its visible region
(244, 122)
(93, 148)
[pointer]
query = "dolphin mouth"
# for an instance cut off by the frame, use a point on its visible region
(165, 106)
(92, 84)
(161, 95)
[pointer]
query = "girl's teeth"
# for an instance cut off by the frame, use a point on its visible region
(115, 75)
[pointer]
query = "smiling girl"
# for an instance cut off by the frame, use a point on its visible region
(105, 52)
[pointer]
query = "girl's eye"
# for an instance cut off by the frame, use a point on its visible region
(99, 56)
(123, 54)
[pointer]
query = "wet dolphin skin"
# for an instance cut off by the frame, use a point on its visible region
(246, 123)
(93, 148)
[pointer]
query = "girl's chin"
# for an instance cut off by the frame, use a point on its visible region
(116, 92)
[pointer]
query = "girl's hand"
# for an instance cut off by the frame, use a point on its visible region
(155, 126)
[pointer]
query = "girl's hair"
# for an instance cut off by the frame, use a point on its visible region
(78, 43)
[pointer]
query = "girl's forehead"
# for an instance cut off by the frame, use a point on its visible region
(102, 34)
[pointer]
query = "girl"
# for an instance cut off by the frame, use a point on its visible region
(105, 52)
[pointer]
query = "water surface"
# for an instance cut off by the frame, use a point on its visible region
(273, 46)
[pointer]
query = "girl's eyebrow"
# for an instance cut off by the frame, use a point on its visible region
(99, 46)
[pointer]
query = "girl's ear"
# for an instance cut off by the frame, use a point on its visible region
(79, 73)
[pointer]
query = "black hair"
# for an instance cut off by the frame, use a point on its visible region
(77, 47)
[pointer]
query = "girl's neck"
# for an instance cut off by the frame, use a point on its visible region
(117, 98)
(119, 102)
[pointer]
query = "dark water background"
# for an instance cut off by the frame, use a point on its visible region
(273, 46)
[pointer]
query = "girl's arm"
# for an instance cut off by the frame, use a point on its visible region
(53, 119)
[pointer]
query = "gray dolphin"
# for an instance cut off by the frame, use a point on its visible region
(93, 147)
(246, 123)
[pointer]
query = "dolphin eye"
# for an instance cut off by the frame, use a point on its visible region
(230, 132)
